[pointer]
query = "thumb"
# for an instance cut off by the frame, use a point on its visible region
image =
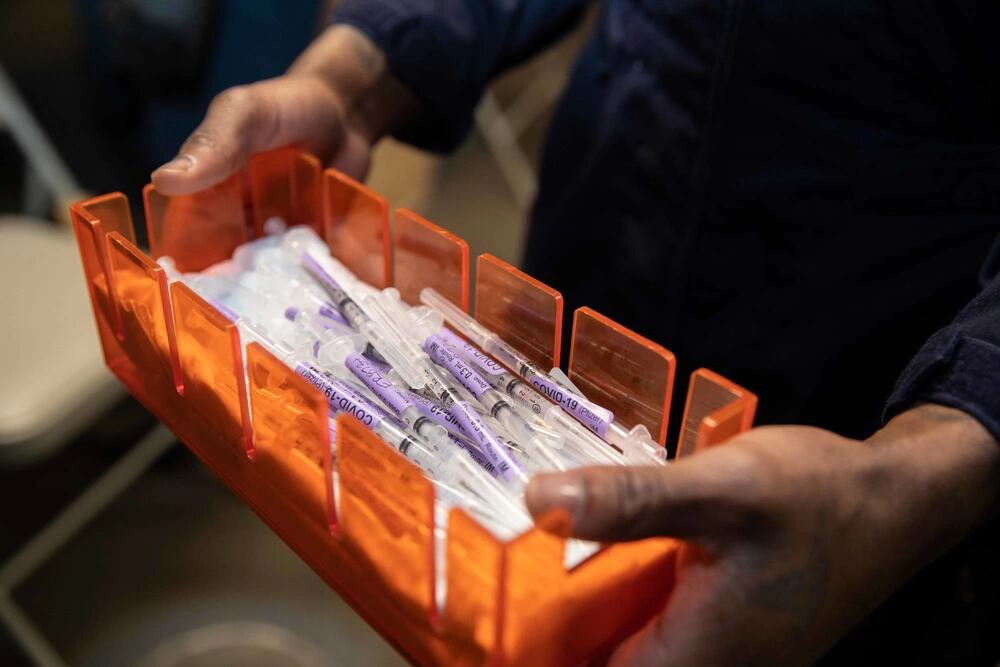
(701, 497)
(248, 119)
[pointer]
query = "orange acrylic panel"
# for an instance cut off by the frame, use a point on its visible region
(307, 191)
(622, 371)
(113, 212)
(140, 288)
(474, 561)
(725, 423)
(386, 511)
(711, 397)
(290, 420)
(425, 255)
(356, 227)
(211, 361)
(582, 611)
(200, 229)
(91, 241)
(285, 183)
(524, 312)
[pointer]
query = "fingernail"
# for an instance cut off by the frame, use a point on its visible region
(179, 163)
(546, 494)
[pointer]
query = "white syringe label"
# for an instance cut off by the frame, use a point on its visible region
(483, 438)
(443, 355)
(339, 400)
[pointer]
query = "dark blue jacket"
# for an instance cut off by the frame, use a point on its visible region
(795, 194)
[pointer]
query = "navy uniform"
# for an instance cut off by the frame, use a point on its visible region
(802, 196)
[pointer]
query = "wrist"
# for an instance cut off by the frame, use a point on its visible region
(932, 475)
(356, 74)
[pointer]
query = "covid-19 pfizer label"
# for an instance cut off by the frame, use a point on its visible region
(339, 399)
(594, 417)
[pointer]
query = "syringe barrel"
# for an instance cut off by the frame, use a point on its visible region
(339, 398)
(351, 311)
(593, 416)
(499, 497)
(458, 317)
(487, 441)
(408, 446)
(578, 434)
(373, 377)
(328, 311)
(443, 355)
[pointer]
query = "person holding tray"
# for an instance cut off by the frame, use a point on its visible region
(801, 196)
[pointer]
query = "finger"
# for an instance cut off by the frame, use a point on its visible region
(704, 496)
(245, 120)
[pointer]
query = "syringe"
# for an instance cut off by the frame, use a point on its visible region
(534, 446)
(302, 239)
(343, 357)
(337, 295)
(317, 325)
(532, 404)
(532, 442)
(583, 441)
(417, 369)
(448, 464)
(351, 311)
(270, 280)
(443, 418)
(635, 443)
(426, 325)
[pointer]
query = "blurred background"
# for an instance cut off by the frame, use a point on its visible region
(116, 546)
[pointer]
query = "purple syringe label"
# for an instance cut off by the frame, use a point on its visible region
(443, 355)
(374, 378)
(321, 274)
(594, 417)
(351, 311)
(436, 413)
(486, 441)
(340, 397)
(355, 392)
(483, 361)
(291, 313)
(330, 312)
(444, 418)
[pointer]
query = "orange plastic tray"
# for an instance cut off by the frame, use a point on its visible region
(264, 430)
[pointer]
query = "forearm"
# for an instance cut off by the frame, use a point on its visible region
(447, 51)
(355, 70)
(933, 477)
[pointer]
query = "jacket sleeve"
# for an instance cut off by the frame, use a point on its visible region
(446, 51)
(959, 366)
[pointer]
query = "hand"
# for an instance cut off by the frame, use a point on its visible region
(794, 533)
(335, 101)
